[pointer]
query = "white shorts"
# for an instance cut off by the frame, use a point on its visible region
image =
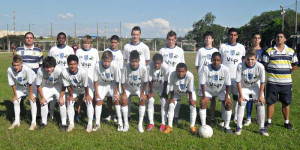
(178, 96)
(133, 93)
(251, 92)
(106, 90)
(233, 87)
(23, 91)
(220, 95)
(51, 93)
(159, 90)
(77, 93)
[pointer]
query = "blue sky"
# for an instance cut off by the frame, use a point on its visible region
(156, 17)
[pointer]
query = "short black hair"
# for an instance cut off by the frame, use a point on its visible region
(215, 54)
(49, 61)
(107, 55)
(181, 65)
(61, 33)
(208, 33)
(29, 33)
(171, 33)
(281, 32)
(157, 56)
(115, 37)
(134, 55)
(72, 58)
(136, 28)
(232, 30)
(255, 33)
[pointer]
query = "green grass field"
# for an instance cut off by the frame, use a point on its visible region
(109, 138)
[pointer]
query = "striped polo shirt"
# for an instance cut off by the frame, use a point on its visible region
(32, 57)
(279, 64)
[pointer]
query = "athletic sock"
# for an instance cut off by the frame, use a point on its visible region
(193, 115)
(171, 114)
(202, 114)
(151, 110)
(98, 111)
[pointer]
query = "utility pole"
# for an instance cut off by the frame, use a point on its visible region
(51, 30)
(282, 13)
(120, 35)
(75, 31)
(97, 36)
(8, 43)
(14, 18)
(105, 36)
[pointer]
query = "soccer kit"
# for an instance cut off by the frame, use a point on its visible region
(22, 80)
(143, 50)
(32, 57)
(51, 87)
(117, 57)
(61, 55)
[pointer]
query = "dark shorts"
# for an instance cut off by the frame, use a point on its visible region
(276, 92)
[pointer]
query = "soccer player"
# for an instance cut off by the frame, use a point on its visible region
(250, 78)
(88, 58)
(21, 78)
(76, 81)
(181, 83)
(134, 82)
(49, 86)
(118, 60)
(256, 39)
(158, 73)
(215, 81)
(280, 61)
(173, 55)
(232, 53)
(106, 82)
(203, 58)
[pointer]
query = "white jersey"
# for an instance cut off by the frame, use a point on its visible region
(181, 86)
(232, 56)
(172, 56)
(61, 55)
(22, 78)
(49, 80)
(250, 76)
(87, 61)
(158, 76)
(106, 76)
(134, 79)
(142, 48)
(77, 81)
(215, 80)
(117, 57)
(203, 57)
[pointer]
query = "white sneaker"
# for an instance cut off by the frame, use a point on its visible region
(14, 125)
(126, 128)
(248, 122)
(115, 118)
(32, 126)
(96, 127)
(70, 128)
(89, 128)
(140, 127)
(221, 124)
(120, 127)
(108, 118)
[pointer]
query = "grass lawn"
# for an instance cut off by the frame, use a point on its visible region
(109, 138)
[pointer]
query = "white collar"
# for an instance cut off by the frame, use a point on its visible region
(28, 48)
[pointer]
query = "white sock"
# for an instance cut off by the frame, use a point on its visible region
(235, 107)
(141, 114)
(223, 111)
(44, 114)
(269, 120)
(193, 115)
(261, 114)
(71, 112)
(125, 114)
(227, 118)
(33, 111)
(177, 108)
(171, 114)
(98, 111)
(286, 121)
(151, 110)
(129, 106)
(17, 110)
(63, 114)
(163, 110)
(202, 114)
(119, 115)
(240, 113)
(90, 113)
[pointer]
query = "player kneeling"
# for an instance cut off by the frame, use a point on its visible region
(215, 81)
(181, 83)
(21, 78)
(49, 85)
(250, 78)
(158, 81)
(134, 82)
(106, 83)
(76, 81)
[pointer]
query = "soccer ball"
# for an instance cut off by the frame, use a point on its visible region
(206, 131)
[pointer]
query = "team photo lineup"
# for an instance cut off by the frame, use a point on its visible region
(237, 78)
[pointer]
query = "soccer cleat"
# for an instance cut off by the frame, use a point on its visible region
(229, 131)
(222, 123)
(107, 119)
(89, 128)
(115, 118)
(247, 122)
(238, 131)
(126, 128)
(70, 128)
(268, 125)
(32, 126)
(193, 130)
(150, 127)
(63, 128)
(77, 118)
(263, 132)
(120, 127)
(13, 126)
(162, 128)
(176, 120)
(140, 128)
(288, 126)
(168, 130)
(42, 126)
(96, 127)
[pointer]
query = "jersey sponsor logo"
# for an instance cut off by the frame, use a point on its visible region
(107, 75)
(249, 83)
(250, 76)
(61, 55)
(61, 62)
(134, 77)
(86, 57)
(51, 79)
(182, 86)
(157, 75)
(75, 80)
(208, 56)
(215, 77)
(20, 79)
(232, 59)
(170, 55)
(114, 57)
(232, 52)
(215, 85)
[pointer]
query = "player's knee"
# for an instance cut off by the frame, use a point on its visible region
(142, 102)
(117, 102)
(125, 102)
(203, 104)
(228, 106)
(99, 103)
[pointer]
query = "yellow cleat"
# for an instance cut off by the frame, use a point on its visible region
(193, 130)
(168, 130)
